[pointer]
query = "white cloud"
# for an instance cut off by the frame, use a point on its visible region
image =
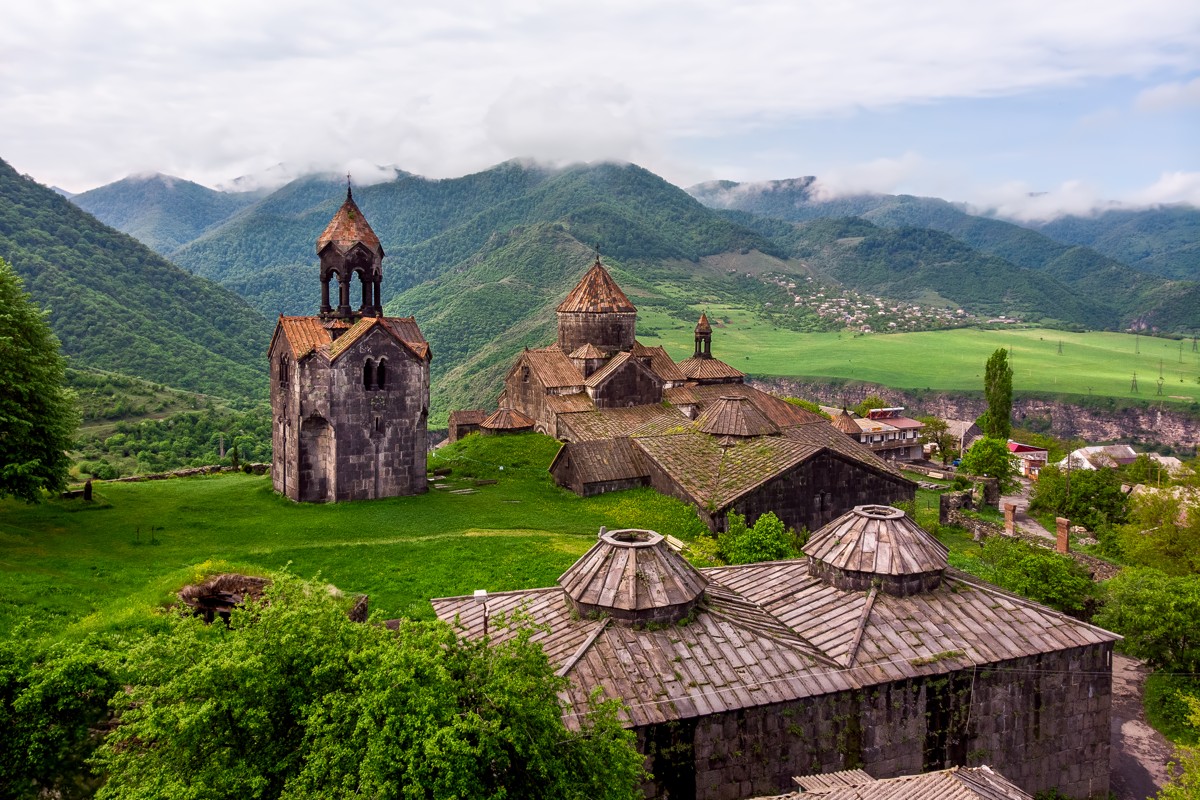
(1171, 187)
(1169, 95)
(880, 176)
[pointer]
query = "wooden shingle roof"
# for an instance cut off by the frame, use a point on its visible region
(702, 326)
(603, 460)
(709, 369)
(633, 576)
(597, 293)
(568, 403)
(956, 783)
(552, 367)
(588, 351)
(606, 423)
(877, 539)
(735, 415)
(347, 228)
(507, 419)
(660, 363)
(846, 424)
(467, 416)
(778, 410)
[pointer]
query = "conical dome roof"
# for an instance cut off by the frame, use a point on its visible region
(349, 227)
(633, 576)
(876, 545)
(735, 416)
(846, 424)
(597, 293)
(702, 326)
(507, 419)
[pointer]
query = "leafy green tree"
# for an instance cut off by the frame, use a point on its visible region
(294, 701)
(767, 540)
(1037, 573)
(1156, 613)
(1185, 784)
(1092, 498)
(1146, 470)
(50, 696)
(997, 389)
(37, 413)
(990, 458)
(937, 432)
(870, 402)
(1163, 532)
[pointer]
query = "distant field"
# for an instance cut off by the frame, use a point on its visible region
(81, 568)
(1096, 363)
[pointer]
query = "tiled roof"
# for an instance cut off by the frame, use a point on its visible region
(588, 352)
(604, 373)
(633, 575)
(708, 369)
(846, 424)
(467, 417)
(607, 423)
(660, 363)
(770, 633)
(604, 460)
(597, 293)
(303, 334)
(553, 368)
(956, 783)
(348, 227)
(402, 329)
(735, 415)
(778, 410)
(568, 403)
(702, 326)
(879, 540)
(826, 436)
(507, 419)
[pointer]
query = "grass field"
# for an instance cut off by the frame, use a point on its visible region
(104, 566)
(1097, 363)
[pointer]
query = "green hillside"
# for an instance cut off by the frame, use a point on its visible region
(116, 305)
(1163, 241)
(161, 211)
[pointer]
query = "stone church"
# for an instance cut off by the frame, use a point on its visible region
(349, 387)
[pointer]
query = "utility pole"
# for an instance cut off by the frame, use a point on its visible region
(1133, 384)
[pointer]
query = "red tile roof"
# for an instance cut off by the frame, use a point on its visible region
(469, 416)
(347, 228)
(702, 326)
(846, 424)
(305, 335)
(597, 293)
(588, 351)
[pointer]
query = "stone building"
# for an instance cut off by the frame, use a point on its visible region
(349, 387)
(870, 653)
(630, 416)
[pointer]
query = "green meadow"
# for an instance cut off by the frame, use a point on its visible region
(78, 567)
(1094, 363)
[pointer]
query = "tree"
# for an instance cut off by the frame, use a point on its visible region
(937, 432)
(293, 700)
(767, 540)
(1156, 613)
(990, 458)
(1091, 498)
(1163, 532)
(1037, 573)
(997, 390)
(1185, 784)
(870, 402)
(38, 417)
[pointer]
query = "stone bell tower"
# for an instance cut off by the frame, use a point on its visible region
(349, 247)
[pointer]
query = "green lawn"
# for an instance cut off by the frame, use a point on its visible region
(1098, 363)
(89, 568)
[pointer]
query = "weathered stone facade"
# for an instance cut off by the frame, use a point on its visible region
(1042, 722)
(349, 391)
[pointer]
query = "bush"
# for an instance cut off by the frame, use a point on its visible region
(991, 458)
(1157, 614)
(1037, 573)
(1091, 498)
(767, 540)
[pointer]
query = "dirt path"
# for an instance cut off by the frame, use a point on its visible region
(1139, 753)
(1022, 518)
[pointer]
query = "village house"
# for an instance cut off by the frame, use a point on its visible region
(349, 387)
(885, 431)
(630, 416)
(965, 432)
(1029, 459)
(1104, 456)
(868, 653)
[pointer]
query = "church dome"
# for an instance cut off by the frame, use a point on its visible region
(348, 228)
(735, 416)
(876, 546)
(633, 576)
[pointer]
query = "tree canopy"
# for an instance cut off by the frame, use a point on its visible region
(38, 417)
(767, 540)
(990, 458)
(937, 432)
(293, 701)
(997, 389)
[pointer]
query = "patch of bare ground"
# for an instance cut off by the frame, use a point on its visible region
(1139, 753)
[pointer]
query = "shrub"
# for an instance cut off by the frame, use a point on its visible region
(1037, 573)
(767, 540)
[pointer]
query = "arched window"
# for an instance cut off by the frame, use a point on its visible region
(283, 371)
(368, 375)
(525, 374)
(381, 374)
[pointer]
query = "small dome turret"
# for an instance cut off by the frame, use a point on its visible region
(876, 545)
(633, 576)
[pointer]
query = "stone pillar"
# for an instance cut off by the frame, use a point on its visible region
(325, 308)
(343, 296)
(991, 492)
(1010, 519)
(1064, 534)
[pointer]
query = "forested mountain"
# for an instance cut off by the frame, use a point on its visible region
(1121, 292)
(1164, 240)
(161, 211)
(117, 305)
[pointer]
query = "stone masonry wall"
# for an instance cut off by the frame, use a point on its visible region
(820, 490)
(609, 332)
(1042, 722)
(631, 385)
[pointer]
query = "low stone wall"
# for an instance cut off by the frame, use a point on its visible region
(212, 469)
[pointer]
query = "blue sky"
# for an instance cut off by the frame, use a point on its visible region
(1083, 103)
